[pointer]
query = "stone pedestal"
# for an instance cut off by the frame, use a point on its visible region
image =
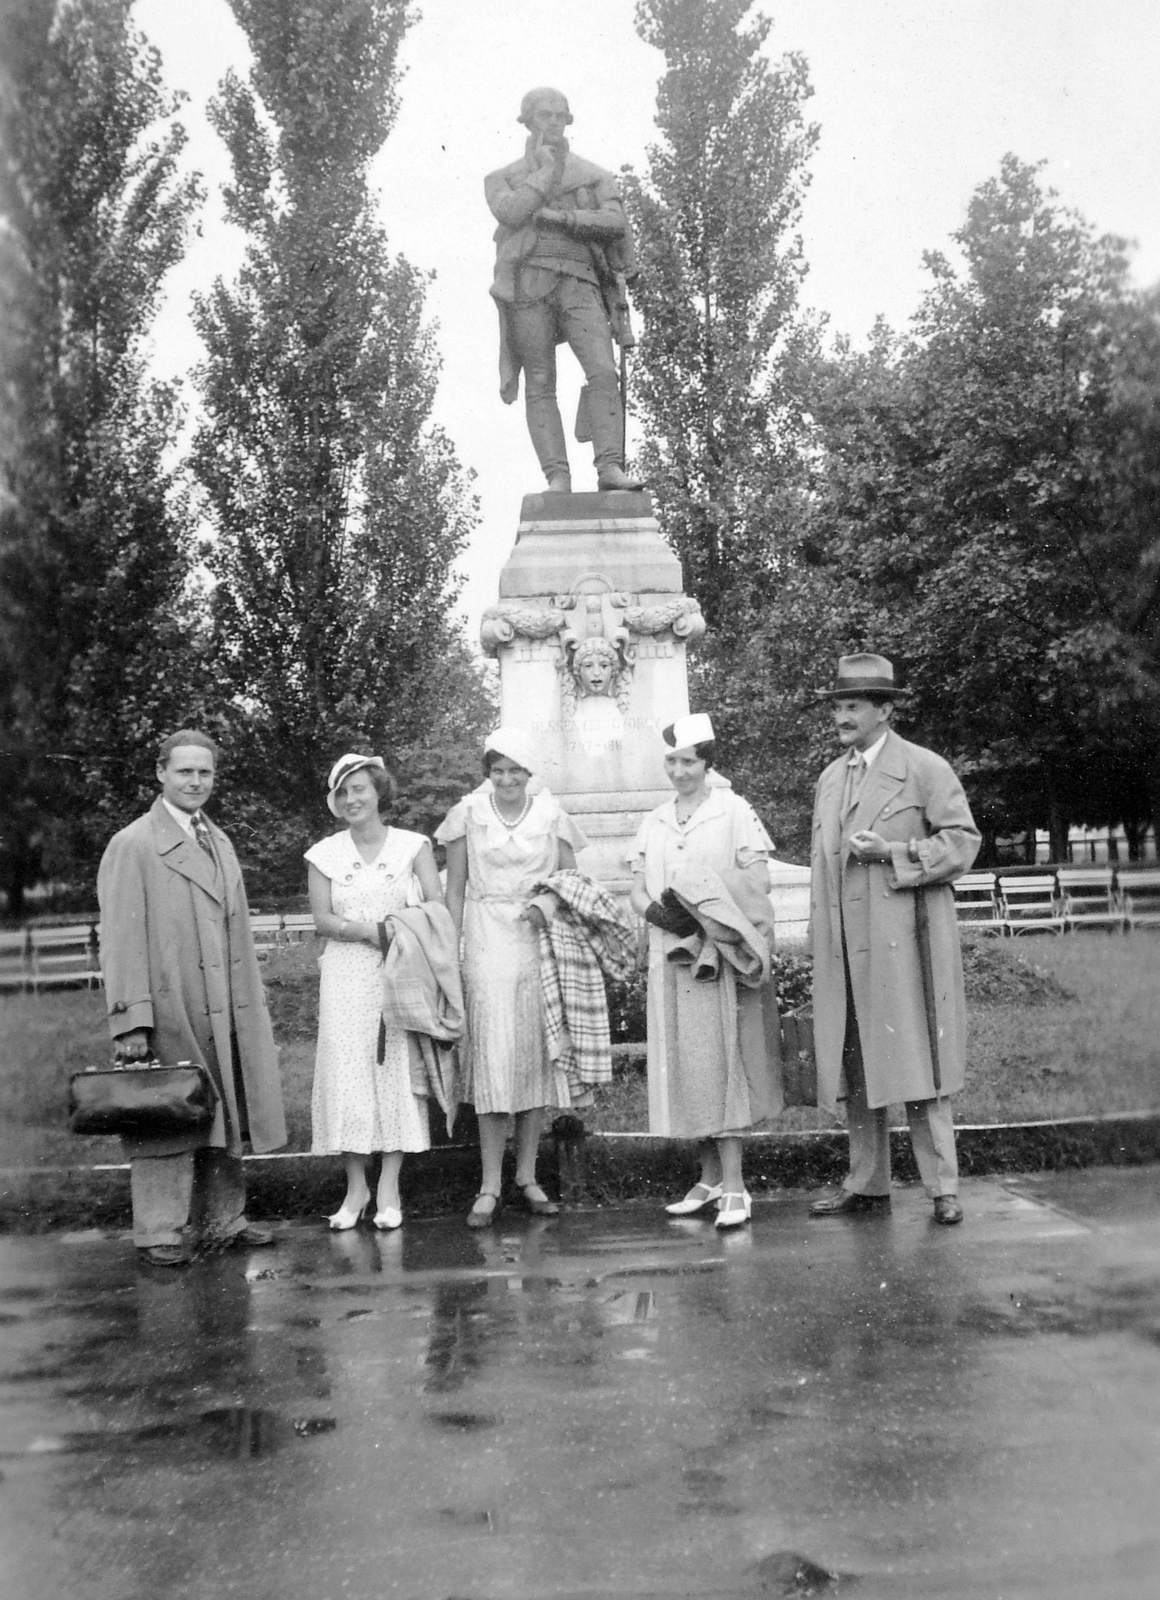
(591, 632)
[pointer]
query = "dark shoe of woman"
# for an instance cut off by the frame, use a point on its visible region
(536, 1201)
(481, 1214)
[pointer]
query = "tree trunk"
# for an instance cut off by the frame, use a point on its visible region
(1057, 828)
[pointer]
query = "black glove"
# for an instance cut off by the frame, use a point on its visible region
(668, 913)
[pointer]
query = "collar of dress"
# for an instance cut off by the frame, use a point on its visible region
(709, 807)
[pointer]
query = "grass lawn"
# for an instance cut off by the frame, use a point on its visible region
(1059, 1027)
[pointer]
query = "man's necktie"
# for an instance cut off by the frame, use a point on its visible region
(201, 834)
(855, 772)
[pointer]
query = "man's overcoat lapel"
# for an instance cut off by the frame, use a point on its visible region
(181, 853)
(882, 783)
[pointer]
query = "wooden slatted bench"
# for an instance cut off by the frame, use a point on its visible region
(976, 905)
(1088, 898)
(1028, 903)
(1139, 895)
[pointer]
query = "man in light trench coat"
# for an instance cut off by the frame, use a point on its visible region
(182, 984)
(892, 831)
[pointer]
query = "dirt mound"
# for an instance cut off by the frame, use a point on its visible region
(995, 975)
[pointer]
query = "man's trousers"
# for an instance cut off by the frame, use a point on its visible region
(197, 1194)
(932, 1129)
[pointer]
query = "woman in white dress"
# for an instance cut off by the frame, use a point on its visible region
(362, 1105)
(500, 841)
(700, 1087)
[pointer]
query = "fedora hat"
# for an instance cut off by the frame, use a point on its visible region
(862, 674)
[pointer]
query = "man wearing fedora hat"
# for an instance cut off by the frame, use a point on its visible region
(892, 831)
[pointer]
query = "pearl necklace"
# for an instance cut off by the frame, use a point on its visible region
(524, 809)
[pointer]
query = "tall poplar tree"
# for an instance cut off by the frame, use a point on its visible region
(96, 655)
(338, 506)
(720, 268)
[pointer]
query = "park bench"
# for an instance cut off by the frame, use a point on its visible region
(266, 927)
(1088, 898)
(297, 925)
(63, 957)
(1140, 895)
(14, 959)
(975, 902)
(1027, 903)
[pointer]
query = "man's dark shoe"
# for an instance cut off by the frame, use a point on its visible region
(846, 1204)
(947, 1210)
(253, 1237)
(164, 1255)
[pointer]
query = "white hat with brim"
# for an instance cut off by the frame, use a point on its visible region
(513, 743)
(688, 731)
(342, 770)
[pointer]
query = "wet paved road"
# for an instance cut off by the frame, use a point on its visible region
(608, 1405)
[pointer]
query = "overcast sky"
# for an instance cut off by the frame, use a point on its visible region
(917, 101)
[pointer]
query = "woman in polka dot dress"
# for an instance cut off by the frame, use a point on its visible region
(362, 1105)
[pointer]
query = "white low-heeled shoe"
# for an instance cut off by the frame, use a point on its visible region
(699, 1196)
(733, 1210)
(342, 1220)
(386, 1219)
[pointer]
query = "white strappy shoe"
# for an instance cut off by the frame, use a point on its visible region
(733, 1210)
(699, 1196)
(342, 1220)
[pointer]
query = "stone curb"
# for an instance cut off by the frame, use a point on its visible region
(602, 1169)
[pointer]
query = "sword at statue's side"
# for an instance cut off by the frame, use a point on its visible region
(626, 339)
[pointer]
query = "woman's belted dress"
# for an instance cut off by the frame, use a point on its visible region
(361, 1104)
(504, 1058)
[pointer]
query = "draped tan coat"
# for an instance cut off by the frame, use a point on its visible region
(908, 793)
(178, 958)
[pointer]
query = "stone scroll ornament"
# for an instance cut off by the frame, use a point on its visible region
(504, 623)
(682, 615)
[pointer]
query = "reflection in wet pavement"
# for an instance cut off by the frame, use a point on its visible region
(607, 1404)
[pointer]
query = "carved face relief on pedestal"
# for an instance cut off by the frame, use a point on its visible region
(594, 666)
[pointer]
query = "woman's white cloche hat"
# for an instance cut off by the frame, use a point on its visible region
(342, 770)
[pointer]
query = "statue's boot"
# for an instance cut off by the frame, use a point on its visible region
(547, 435)
(607, 424)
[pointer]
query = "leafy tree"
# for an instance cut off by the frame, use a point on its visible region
(96, 656)
(988, 490)
(338, 506)
(720, 269)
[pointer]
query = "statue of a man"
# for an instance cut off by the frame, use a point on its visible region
(563, 243)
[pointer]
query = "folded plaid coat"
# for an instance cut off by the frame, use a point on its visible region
(587, 936)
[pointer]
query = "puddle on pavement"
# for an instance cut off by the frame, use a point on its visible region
(457, 1518)
(233, 1432)
(463, 1421)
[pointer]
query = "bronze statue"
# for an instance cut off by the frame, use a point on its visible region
(564, 254)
